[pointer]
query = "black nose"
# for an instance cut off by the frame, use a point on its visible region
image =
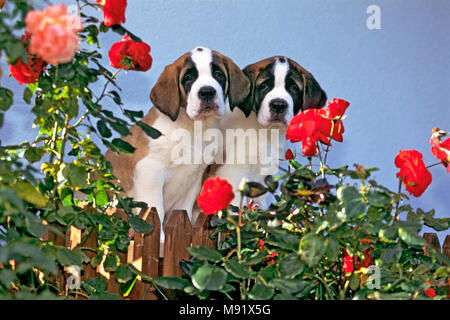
(278, 105)
(207, 93)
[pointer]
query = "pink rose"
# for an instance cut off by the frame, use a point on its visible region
(54, 33)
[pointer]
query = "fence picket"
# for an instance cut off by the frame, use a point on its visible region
(433, 240)
(178, 234)
(146, 253)
(201, 232)
(446, 246)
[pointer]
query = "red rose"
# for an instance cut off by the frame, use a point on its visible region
(127, 54)
(336, 108)
(311, 126)
(216, 195)
(113, 11)
(430, 291)
(289, 155)
(413, 172)
(30, 72)
(349, 261)
(441, 150)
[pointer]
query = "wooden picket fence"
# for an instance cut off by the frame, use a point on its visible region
(144, 253)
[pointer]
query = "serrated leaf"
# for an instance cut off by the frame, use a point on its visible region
(173, 283)
(410, 238)
(205, 254)
(103, 129)
(67, 257)
(209, 277)
(238, 270)
(139, 225)
(312, 248)
(30, 194)
(122, 146)
(291, 266)
(123, 274)
(261, 292)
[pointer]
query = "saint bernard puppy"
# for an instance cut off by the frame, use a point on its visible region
(280, 88)
(196, 88)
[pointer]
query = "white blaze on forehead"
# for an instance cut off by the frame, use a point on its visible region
(202, 58)
(280, 71)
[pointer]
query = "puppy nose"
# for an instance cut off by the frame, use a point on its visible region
(207, 93)
(278, 105)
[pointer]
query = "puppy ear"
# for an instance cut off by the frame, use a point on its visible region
(313, 95)
(166, 95)
(238, 83)
(248, 104)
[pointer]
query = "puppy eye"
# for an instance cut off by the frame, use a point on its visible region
(188, 77)
(218, 75)
(264, 86)
(293, 87)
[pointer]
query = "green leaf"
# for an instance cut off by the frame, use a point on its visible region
(439, 224)
(312, 248)
(209, 277)
(139, 225)
(76, 175)
(33, 154)
(111, 263)
(27, 95)
(291, 266)
(132, 113)
(30, 194)
(173, 283)
(14, 50)
(288, 286)
(204, 253)
(352, 209)
(67, 257)
(238, 270)
(123, 274)
(355, 280)
(347, 194)
(150, 131)
(122, 146)
(95, 284)
(120, 128)
(7, 277)
(103, 129)
(261, 292)
(6, 99)
(378, 199)
(410, 238)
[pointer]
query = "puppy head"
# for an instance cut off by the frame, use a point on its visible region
(200, 81)
(280, 88)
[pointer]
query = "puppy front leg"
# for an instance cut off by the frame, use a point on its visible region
(149, 189)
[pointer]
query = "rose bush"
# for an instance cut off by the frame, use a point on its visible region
(319, 240)
(61, 179)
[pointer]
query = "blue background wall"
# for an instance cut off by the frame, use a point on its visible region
(396, 78)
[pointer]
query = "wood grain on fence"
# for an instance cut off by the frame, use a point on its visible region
(145, 256)
(178, 238)
(144, 251)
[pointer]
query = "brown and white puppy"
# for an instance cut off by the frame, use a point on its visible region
(280, 88)
(195, 89)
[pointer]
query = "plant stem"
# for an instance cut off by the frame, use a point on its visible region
(322, 166)
(398, 200)
(433, 165)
